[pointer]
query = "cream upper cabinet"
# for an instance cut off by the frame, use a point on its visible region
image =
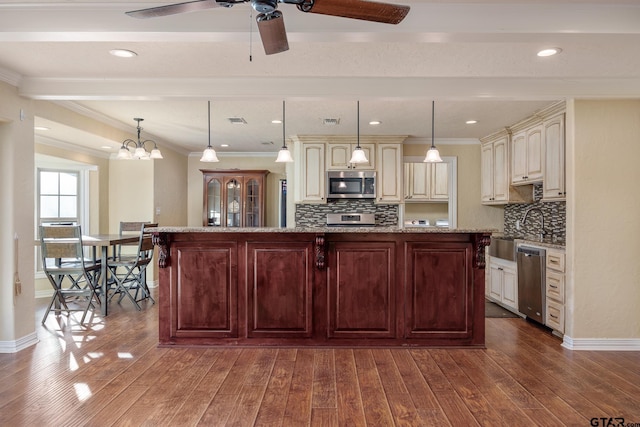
(339, 154)
(426, 182)
(310, 169)
(389, 173)
(527, 155)
(495, 184)
(553, 187)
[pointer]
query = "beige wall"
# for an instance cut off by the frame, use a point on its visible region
(603, 219)
(16, 219)
(471, 213)
(244, 161)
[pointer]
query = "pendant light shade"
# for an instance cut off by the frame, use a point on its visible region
(284, 155)
(358, 155)
(433, 156)
(209, 154)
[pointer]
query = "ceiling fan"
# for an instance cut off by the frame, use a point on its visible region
(271, 23)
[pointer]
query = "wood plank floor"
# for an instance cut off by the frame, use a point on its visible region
(112, 373)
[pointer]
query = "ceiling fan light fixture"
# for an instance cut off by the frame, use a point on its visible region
(284, 155)
(209, 154)
(433, 155)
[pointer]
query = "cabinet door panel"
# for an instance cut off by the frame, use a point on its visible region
(534, 154)
(362, 290)
(495, 283)
(509, 288)
(204, 291)
(519, 157)
(554, 166)
(420, 181)
(439, 181)
(439, 300)
(279, 282)
(486, 156)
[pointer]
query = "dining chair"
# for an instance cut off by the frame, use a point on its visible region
(73, 277)
(129, 272)
(126, 227)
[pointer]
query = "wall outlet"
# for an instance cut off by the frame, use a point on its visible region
(518, 225)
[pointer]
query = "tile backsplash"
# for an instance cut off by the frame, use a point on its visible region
(315, 215)
(555, 218)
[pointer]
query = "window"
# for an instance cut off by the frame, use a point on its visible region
(58, 196)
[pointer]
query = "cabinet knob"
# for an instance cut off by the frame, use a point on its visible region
(559, 193)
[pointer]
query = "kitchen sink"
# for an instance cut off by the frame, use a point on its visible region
(503, 247)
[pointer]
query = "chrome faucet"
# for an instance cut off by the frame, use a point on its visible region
(526, 214)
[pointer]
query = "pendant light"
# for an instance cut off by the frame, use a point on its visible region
(284, 155)
(209, 154)
(358, 155)
(433, 156)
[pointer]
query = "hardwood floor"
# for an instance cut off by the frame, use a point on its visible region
(112, 373)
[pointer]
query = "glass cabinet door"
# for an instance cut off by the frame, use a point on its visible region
(214, 203)
(234, 203)
(252, 210)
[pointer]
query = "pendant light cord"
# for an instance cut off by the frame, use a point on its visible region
(433, 120)
(284, 143)
(209, 121)
(358, 126)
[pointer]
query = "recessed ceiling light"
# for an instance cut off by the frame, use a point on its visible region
(40, 128)
(550, 52)
(224, 145)
(276, 121)
(123, 53)
(375, 122)
(471, 122)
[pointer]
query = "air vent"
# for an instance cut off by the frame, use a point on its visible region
(267, 143)
(237, 120)
(330, 122)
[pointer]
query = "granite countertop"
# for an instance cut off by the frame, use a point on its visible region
(176, 229)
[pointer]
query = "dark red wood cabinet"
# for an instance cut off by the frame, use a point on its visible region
(333, 288)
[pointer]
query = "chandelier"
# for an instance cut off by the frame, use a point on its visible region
(139, 150)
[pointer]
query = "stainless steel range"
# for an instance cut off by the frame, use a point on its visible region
(351, 219)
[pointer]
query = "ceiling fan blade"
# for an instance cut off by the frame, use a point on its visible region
(272, 32)
(173, 9)
(360, 9)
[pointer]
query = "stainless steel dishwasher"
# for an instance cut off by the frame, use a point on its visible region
(531, 274)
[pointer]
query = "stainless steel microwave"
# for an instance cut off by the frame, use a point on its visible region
(351, 185)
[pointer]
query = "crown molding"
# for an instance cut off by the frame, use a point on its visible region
(11, 77)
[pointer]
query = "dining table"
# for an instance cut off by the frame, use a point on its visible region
(104, 242)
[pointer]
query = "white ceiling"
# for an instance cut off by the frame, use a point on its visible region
(475, 58)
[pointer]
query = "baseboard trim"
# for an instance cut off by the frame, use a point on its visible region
(601, 344)
(19, 344)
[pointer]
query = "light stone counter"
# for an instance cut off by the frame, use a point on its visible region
(436, 230)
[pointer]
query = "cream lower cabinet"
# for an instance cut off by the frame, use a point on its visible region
(503, 282)
(555, 297)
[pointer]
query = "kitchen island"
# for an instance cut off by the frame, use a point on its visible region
(354, 286)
